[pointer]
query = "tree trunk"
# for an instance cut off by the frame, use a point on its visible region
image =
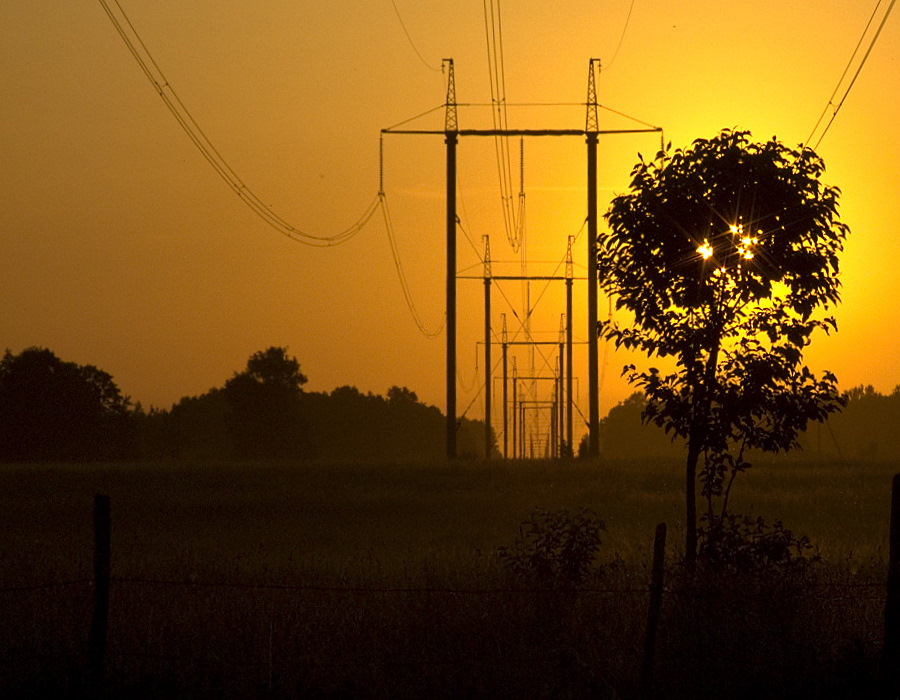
(690, 488)
(696, 438)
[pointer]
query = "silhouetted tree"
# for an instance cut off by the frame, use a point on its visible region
(722, 253)
(470, 439)
(624, 432)
(155, 434)
(400, 396)
(865, 429)
(350, 425)
(263, 412)
(55, 410)
(265, 402)
(198, 427)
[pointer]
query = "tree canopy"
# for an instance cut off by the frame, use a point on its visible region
(55, 410)
(723, 253)
(263, 412)
(624, 434)
(266, 412)
(719, 225)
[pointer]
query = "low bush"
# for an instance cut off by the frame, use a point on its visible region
(554, 548)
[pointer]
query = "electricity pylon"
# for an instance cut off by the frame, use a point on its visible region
(591, 133)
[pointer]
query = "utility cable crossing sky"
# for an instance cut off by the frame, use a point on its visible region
(157, 78)
(154, 74)
(167, 93)
(513, 219)
(836, 107)
(138, 49)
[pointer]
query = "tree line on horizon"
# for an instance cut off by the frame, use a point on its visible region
(865, 429)
(52, 410)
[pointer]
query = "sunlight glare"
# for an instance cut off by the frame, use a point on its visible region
(744, 249)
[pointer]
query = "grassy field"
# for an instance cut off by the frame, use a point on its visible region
(313, 580)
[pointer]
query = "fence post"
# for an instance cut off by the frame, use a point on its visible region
(890, 654)
(656, 591)
(100, 619)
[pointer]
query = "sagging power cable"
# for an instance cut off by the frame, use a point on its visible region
(411, 42)
(831, 103)
(195, 133)
(493, 28)
(404, 285)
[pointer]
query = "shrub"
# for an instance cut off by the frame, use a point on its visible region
(742, 543)
(554, 548)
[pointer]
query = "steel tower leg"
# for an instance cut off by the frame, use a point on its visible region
(593, 380)
(451, 139)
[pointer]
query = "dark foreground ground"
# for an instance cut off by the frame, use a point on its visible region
(334, 581)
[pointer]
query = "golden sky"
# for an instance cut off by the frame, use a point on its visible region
(121, 247)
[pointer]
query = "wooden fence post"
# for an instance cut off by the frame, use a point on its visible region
(890, 654)
(656, 591)
(100, 619)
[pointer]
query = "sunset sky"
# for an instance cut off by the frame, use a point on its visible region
(121, 247)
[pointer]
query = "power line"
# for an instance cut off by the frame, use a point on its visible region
(462, 202)
(493, 28)
(628, 116)
(154, 74)
(409, 39)
(418, 116)
(622, 37)
(844, 74)
(840, 104)
(395, 128)
(395, 252)
(522, 104)
(195, 133)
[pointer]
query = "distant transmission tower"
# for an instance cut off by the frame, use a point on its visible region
(591, 133)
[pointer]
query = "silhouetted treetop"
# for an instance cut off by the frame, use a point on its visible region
(624, 433)
(266, 413)
(401, 395)
(755, 210)
(55, 410)
(273, 367)
(722, 252)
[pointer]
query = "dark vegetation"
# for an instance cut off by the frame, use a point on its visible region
(304, 577)
(725, 256)
(55, 410)
(865, 429)
(307, 580)
(308, 574)
(52, 410)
